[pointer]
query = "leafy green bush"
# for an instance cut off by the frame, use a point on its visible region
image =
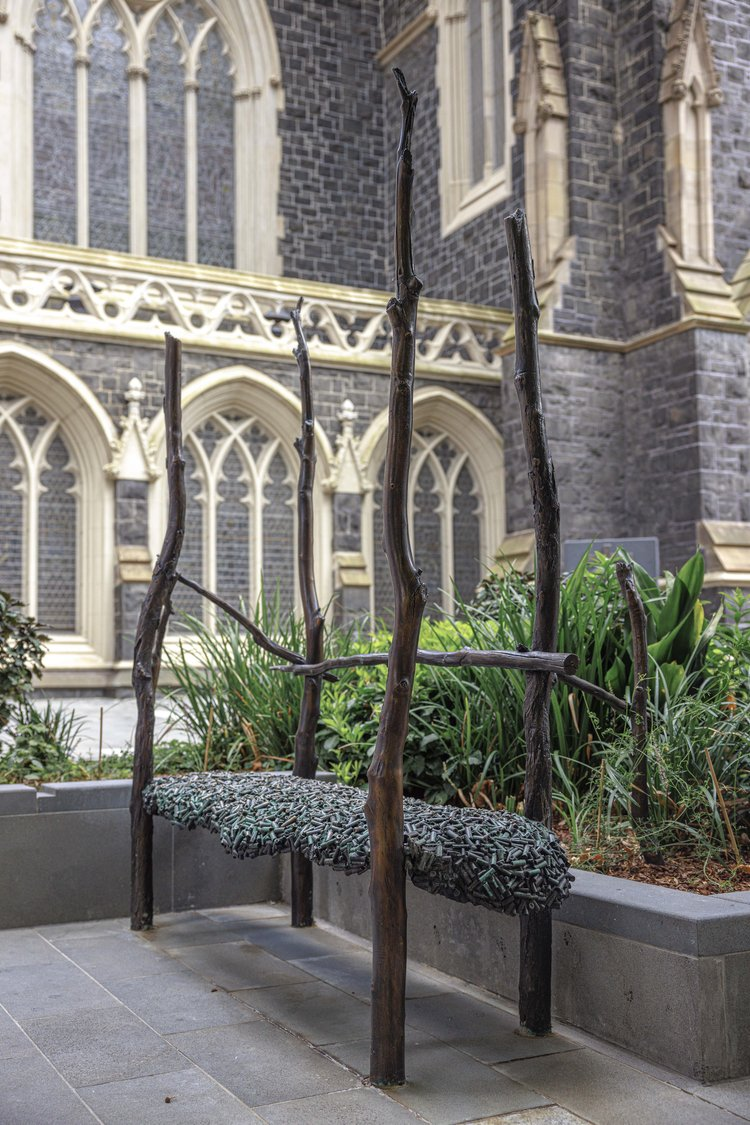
(39, 744)
(21, 652)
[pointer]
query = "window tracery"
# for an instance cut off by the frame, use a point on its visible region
(38, 515)
(240, 513)
(148, 128)
(445, 517)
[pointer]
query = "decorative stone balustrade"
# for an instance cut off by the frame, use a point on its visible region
(92, 293)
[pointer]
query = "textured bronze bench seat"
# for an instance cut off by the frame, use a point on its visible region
(494, 859)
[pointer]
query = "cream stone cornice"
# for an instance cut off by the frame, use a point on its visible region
(633, 343)
(408, 35)
(56, 290)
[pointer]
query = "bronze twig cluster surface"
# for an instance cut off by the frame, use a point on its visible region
(498, 860)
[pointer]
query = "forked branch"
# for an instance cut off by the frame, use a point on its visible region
(558, 662)
(535, 1003)
(385, 801)
(639, 704)
(305, 759)
(152, 626)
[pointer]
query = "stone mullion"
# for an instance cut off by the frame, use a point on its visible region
(455, 90)
(210, 535)
(82, 149)
(444, 512)
(138, 137)
(191, 170)
(243, 180)
(31, 539)
(705, 186)
(491, 158)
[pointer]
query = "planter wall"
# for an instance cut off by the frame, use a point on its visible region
(65, 857)
(664, 973)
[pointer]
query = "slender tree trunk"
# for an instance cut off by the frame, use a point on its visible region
(639, 812)
(385, 802)
(152, 626)
(305, 759)
(535, 982)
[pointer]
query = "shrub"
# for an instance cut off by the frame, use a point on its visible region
(21, 652)
(39, 744)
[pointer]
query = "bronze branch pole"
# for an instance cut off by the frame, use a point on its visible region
(639, 813)
(305, 759)
(535, 980)
(152, 626)
(384, 807)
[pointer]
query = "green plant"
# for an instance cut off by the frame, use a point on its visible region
(683, 802)
(229, 700)
(21, 653)
(678, 633)
(40, 742)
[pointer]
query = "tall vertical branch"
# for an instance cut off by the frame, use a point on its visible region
(535, 983)
(639, 814)
(152, 627)
(305, 760)
(385, 805)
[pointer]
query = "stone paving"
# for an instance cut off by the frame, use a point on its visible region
(118, 725)
(226, 1016)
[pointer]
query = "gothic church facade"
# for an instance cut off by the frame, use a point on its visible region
(197, 165)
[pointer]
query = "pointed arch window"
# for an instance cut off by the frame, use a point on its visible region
(39, 515)
(446, 522)
(241, 505)
(473, 77)
(689, 90)
(148, 124)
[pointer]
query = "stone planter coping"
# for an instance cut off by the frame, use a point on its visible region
(700, 925)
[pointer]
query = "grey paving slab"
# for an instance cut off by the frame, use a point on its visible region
(31, 1093)
(351, 971)
(189, 927)
(261, 1063)
(315, 1010)
(180, 1001)
(363, 1106)
(248, 913)
(482, 1030)
(609, 1092)
(13, 1042)
(443, 1085)
(80, 931)
(119, 721)
(102, 1045)
(281, 939)
(182, 1097)
(112, 957)
(238, 964)
(546, 1115)
(733, 1095)
(30, 991)
(24, 947)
